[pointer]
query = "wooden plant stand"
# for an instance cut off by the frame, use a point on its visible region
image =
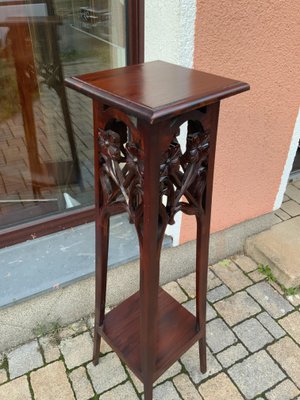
(140, 168)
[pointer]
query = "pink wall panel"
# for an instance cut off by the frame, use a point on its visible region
(257, 42)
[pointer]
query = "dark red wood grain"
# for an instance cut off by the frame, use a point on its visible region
(176, 330)
(156, 90)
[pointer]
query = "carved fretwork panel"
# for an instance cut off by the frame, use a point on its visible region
(183, 175)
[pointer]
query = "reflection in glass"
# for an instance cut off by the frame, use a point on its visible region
(46, 141)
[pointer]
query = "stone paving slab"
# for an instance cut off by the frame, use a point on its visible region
(218, 387)
(287, 354)
(17, 389)
(218, 293)
(270, 299)
(236, 308)
(232, 276)
(186, 388)
(121, 392)
(271, 325)
(231, 355)
(24, 359)
(256, 374)
(291, 324)
(77, 350)
(107, 374)
(51, 383)
(252, 354)
(286, 390)
(219, 336)
(191, 363)
(253, 335)
(81, 384)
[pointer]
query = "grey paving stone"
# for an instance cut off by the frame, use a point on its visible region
(282, 214)
(175, 291)
(218, 293)
(3, 376)
(51, 383)
(293, 192)
(219, 387)
(297, 184)
(236, 308)
(231, 355)
(286, 390)
(77, 350)
(18, 389)
(50, 348)
(212, 280)
(291, 207)
(294, 300)
(271, 325)
(73, 329)
(232, 276)
(256, 276)
(107, 374)
(256, 374)
(291, 323)
(81, 385)
(245, 263)
(192, 364)
(165, 391)
(24, 359)
(218, 335)
(276, 219)
(191, 306)
(186, 388)
(188, 283)
(270, 299)
(121, 392)
(253, 334)
(287, 354)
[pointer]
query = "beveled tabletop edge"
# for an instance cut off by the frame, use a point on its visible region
(153, 115)
(109, 98)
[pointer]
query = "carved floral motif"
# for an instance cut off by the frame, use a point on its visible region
(182, 176)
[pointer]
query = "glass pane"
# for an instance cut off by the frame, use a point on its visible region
(46, 137)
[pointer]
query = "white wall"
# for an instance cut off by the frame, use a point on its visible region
(169, 31)
(169, 36)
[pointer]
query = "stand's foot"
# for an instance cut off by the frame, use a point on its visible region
(148, 391)
(96, 351)
(202, 355)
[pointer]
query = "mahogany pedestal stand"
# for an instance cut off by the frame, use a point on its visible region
(141, 168)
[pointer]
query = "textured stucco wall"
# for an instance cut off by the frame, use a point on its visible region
(257, 42)
(169, 31)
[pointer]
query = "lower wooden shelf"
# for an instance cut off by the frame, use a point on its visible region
(177, 332)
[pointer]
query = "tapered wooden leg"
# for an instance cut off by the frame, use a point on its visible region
(202, 354)
(201, 286)
(102, 242)
(148, 390)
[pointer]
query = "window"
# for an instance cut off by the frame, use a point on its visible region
(46, 134)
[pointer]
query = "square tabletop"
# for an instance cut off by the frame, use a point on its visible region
(155, 90)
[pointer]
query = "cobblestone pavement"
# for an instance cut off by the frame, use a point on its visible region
(290, 207)
(252, 347)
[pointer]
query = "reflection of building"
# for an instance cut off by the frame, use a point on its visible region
(46, 138)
